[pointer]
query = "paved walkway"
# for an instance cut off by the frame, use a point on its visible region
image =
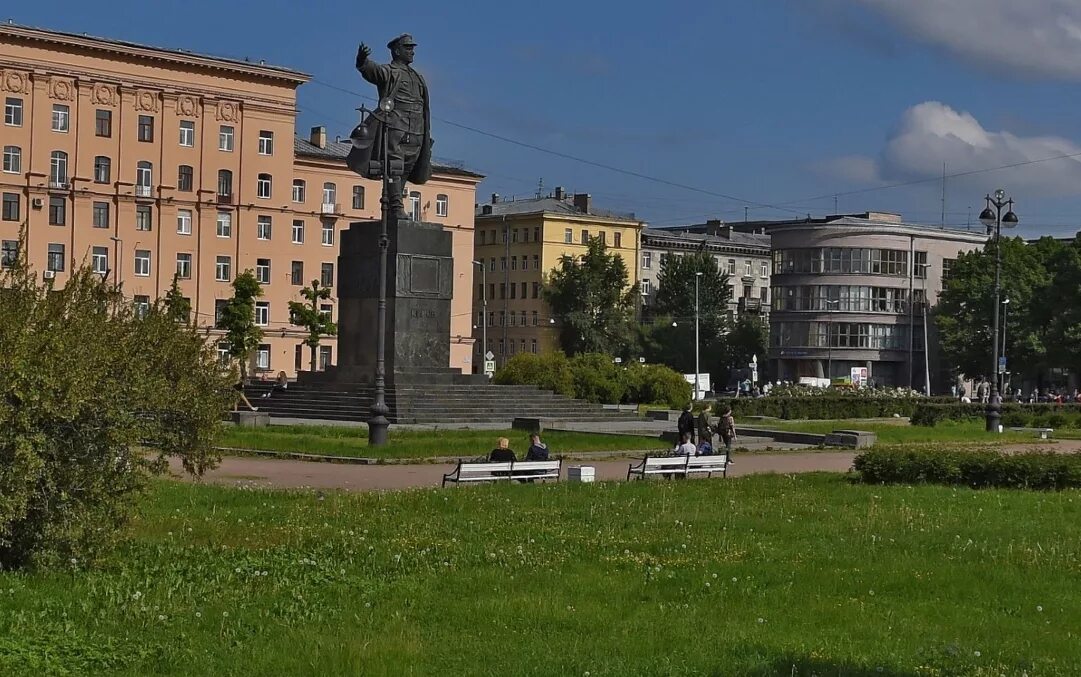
(294, 474)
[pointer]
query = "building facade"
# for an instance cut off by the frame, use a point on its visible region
(517, 244)
(145, 162)
(852, 291)
(745, 257)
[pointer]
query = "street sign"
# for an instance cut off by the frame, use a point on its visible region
(1002, 365)
(489, 367)
(489, 355)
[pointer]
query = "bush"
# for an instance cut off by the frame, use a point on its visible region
(977, 469)
(1013, 414)
(820, 407)
(655, 384)
(550, 371)
(83, 383)
(597, 378)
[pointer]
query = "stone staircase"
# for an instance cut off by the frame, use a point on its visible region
(432, 403)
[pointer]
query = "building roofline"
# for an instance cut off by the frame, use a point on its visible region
(174, 56)
(563, 215)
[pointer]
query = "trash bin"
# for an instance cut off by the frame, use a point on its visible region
(581, 473)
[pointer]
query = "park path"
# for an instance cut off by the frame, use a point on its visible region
(283, 473)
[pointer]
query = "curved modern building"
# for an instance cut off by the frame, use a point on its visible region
(851, 292)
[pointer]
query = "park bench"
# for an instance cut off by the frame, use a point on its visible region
(680, 465)
(482, 471)
(1042, 433)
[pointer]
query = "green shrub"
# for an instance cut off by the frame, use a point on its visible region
(597, 378)
(655, 384)
(820, 407)
(550, 371)
(977, 469)
(1013, 414)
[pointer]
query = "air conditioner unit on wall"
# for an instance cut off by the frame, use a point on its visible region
(38, 203)
(49, 274)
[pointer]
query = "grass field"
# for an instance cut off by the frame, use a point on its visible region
(900, 432)
(353, 441)
(767, 575)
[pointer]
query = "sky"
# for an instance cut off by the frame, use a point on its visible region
(686, 111)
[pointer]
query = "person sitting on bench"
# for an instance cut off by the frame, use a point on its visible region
(502, 453)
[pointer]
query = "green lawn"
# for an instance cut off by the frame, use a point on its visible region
(766, 575)
(353, 441)
(900, 432)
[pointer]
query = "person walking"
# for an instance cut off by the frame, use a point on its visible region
(728, 431)
(685, 424)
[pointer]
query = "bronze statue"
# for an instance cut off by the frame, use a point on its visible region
(403, 114)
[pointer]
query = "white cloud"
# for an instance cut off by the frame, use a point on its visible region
(1041, 37)
(932, 133)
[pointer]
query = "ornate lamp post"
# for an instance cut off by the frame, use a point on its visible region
(484, 313)
(697, 387)
(994, 219)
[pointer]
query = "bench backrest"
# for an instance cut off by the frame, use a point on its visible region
(714, 463)
(476, 472)
(659, 464)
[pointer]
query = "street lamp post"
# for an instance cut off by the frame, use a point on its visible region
(994, 220)
(829, 338)
(1005, 307)
(697, 277)
(484, 312)
(116, 259)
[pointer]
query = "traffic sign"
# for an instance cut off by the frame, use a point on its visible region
(1002, 365)
(489, 355)
(489, 367)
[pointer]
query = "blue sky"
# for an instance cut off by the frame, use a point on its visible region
(760, 104)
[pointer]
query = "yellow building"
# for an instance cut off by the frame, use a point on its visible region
(518, 243)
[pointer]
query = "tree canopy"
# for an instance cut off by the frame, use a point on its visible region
(238, 319)
(309, 316)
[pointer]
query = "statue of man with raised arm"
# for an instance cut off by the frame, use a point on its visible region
(403, 115)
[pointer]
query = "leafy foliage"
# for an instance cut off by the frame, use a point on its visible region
(820, 408)
(84, 380)
(595, 377)
(1013, 414)
(655, 384)
(238, 319)
(177, 308)
(592, 302)
(549, 371)
(976, 469)
(309, 316)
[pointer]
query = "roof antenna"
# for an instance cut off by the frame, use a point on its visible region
(540, 187)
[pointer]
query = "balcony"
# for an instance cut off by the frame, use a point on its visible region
(331, 209)
(225, 198)
(750, 305)
(144, 191)
(58, 185)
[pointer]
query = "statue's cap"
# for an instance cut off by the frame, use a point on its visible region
(403, 39)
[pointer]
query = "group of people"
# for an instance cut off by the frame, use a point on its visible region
(281, 384)
(982, 392)
(696, 438)
(538, 450)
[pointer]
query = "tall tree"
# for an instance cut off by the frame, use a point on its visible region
(177, 308)
(592, 302)
(238, 319)
(748, 338)
(309, 316)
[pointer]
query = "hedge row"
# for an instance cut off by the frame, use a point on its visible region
(594, 377)
(1013, 415)
(976, 469)
(822, 407)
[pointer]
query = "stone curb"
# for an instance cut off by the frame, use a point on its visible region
(359, 460)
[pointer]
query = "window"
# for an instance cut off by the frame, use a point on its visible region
(142, 263)
(536, 262)
(568, 235)
(266, 143)
(748, 268)
(262, 355)
(603, 237)
(947, 268)
(502, 291)
(647, 287)
(187, 133)
(534, 319)
(919, 265)
(514, 263)
(536, 290)
(144, 178)
(185, 178)
(414, 205)
(262, 228)
(103, 123)
(61, 118)
(491, 264)
(13, 159)
(533, 346)
(647, 260)
(142, 305)
(219, 310)
(513, 288)
(143, 218)
(183, 265)
(146, 128)
(223, 269)
(225, 224)
(296, 273)
(99, 260)
(223, 348)
(298, 190)
(763, 295)
(325, 353)
(55, 261)
(262, 187)
(102, 169)
(58, 211)
(326, 275)
(262, 313)
(731, 266)
(585, 236)
(502, 262)
(225, 184)
(183, 221)
(327, 311)
(617, 240)
(262, 271)
(358, 197)
(442, 205)
(763, 269)
(9, 253)
(101, 214)
(330, 193)
(11, 207)
(225, 138)
(328, 233)
(58, 169)
(510, 320)
(13, 112)
(298, 232)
